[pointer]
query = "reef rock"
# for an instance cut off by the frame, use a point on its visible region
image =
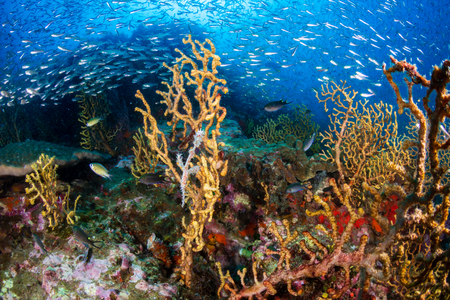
(16, 159)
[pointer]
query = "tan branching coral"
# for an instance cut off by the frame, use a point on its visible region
(420, 267)
(287, 273)
(208, 165)
(361, 139)
(145, 159)
(299, 124)
(44, 186)
(99, 136)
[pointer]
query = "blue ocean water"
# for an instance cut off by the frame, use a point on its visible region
(270, 50)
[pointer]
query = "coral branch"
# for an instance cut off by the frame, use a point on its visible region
(206, 165)
(45, 187)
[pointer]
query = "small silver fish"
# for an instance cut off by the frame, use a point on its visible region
(6, 94)
(33, 92)
(64, 49)
(309, 142)
(444, 131)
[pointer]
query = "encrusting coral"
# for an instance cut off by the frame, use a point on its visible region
(207, 165)
(44, 186)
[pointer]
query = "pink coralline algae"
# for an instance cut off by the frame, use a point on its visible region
(238, 201)
(91, 271)
(37, 223)
(163, 289)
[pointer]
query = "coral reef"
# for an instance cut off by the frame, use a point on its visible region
(45, 188)
(98, 136)
(208, 163)
(16, 158)
(145, 159)
(299, 124)
(419, 260)
(402, 255)
(361, 139)
(237, 218)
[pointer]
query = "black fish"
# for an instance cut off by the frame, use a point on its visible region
(328, 189)
(88, 256)
(38, 241)
(153, 178)
(82, 237)
(275, 105)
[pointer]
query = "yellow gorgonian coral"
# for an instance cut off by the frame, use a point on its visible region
(44, 187)
(362, 138)
(204, 160)
(299, 124)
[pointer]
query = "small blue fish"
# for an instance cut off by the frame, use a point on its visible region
(309, 142)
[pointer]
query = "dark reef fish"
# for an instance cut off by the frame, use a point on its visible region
(88, 256)
(275, 105)
(296, 187)
(83, 238)
(39, 242)
(153, 178)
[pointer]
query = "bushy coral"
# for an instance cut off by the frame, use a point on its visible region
(44, 187)
(98, 136)
(207, 165)
(299, 124)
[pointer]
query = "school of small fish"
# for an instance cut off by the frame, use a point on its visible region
(53, 50)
